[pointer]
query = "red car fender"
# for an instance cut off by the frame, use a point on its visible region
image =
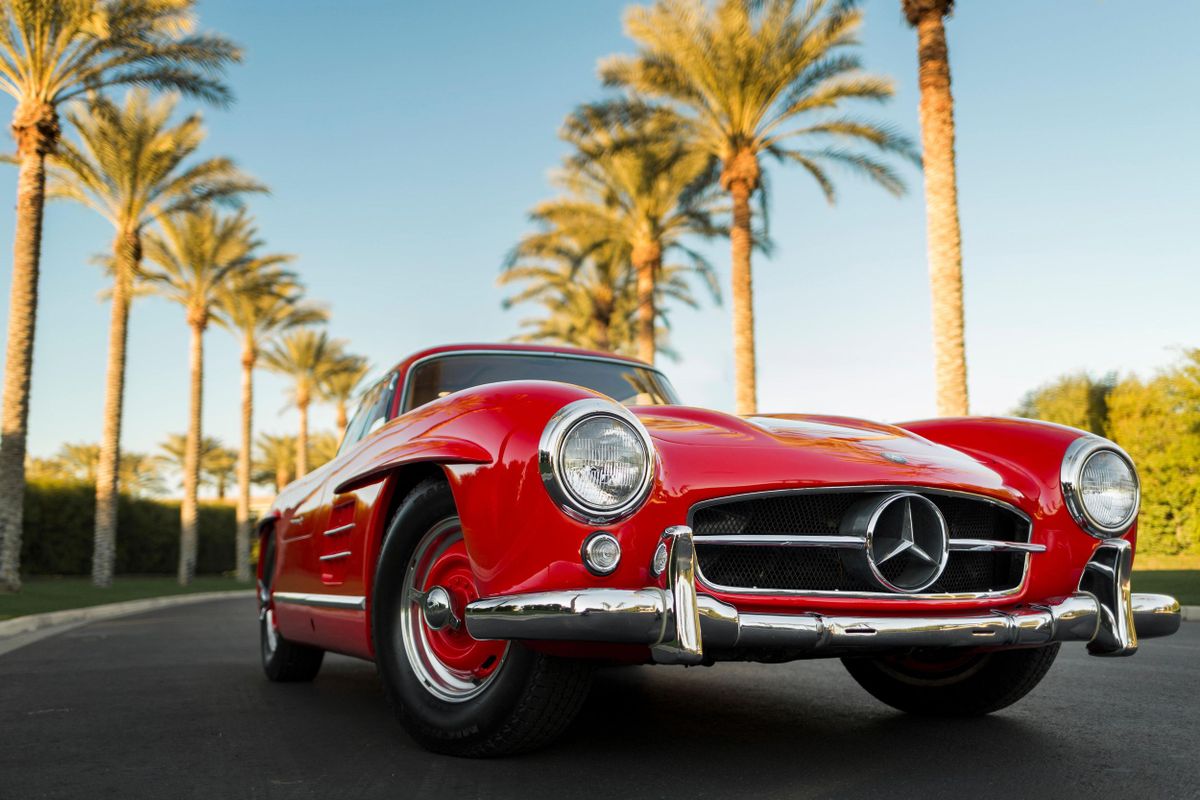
(1029, 453)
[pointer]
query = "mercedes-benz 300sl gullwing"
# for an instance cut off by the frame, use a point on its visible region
(500, 519)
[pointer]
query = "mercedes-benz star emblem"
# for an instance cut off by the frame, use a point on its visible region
(906, 541)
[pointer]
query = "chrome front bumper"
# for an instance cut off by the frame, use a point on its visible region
(677, 623)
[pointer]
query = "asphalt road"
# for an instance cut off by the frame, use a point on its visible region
(173, 704)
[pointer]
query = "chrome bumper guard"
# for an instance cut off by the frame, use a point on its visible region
(677, 623)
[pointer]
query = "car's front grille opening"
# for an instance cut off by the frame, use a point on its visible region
(826, 569)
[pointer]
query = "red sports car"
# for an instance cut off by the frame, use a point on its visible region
(501, 518)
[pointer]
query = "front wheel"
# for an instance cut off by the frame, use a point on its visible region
(952, 683)
(453, 693)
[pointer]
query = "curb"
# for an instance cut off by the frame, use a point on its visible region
(1191, 613)
(35, 622)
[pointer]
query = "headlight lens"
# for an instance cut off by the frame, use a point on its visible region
(603, 462)
(1108, 489)
(596, 460)
(1100, 486)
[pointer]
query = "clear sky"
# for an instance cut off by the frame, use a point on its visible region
(405, 141)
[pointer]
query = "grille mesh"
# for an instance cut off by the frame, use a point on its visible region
(825, 569)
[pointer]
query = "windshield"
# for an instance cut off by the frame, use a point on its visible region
(629, 384)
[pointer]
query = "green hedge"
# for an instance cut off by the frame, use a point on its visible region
(59, 521)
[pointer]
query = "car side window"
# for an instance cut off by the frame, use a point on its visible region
(372, 412)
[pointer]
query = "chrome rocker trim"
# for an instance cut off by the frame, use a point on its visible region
(677, 623)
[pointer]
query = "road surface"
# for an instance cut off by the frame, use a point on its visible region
(172, 704)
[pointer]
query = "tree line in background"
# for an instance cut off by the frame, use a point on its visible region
(180, 231)
(1157, 421)
(149, 475)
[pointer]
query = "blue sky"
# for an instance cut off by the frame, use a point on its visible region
(405, 141)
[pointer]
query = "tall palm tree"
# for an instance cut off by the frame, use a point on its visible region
(130, 168)
(342, 384)
(577, 280)
(307, 357)
(635, 180)
(590, 293)
(50, 52)
(197, 255)
(941, 203)
(261, 303)
(755, 79)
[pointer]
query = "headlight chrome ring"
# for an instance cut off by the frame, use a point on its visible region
(550, 465)
(1075, 462)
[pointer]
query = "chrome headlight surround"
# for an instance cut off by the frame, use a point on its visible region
(559, 427)
(1075, 460)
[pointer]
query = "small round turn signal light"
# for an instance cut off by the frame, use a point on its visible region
(601, 553)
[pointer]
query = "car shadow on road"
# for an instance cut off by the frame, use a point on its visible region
(735, 730)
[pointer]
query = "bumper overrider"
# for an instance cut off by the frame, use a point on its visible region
(678, 623)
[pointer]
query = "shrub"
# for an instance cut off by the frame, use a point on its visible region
(59, 521)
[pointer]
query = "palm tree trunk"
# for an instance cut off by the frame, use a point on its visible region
(127, 251)
(18, 365)
(191, 458)
(941, 213)
(647, 258)
(281, 477)
(302, 437)
(745, 370)
(242, 539)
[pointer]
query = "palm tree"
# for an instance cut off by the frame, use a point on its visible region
(276, 460)
(263, 302)
(636, 181)
(129, 167)
(307, 357)
(754, 79)
(342, 384)
(590, 293)
(941, 203)
(50, 52)
(214, 458)
(198, 254)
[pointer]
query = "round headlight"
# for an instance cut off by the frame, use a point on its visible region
(596, 460)
(1100, 487)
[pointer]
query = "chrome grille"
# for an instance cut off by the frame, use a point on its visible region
(819, 513)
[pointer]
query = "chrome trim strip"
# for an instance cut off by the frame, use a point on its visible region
(483, 351)
(339, 530)
(336, 556)
(745, 590)
(1074, 460)
(995, 546)
(793, 540)
(350, 602)
(638, 617)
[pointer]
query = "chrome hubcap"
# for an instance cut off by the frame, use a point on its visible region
(438, 613)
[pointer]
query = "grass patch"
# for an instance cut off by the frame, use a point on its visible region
(1182, 584)
(1145, 561)
(42, 594)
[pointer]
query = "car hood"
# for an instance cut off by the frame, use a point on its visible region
(703, 448)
